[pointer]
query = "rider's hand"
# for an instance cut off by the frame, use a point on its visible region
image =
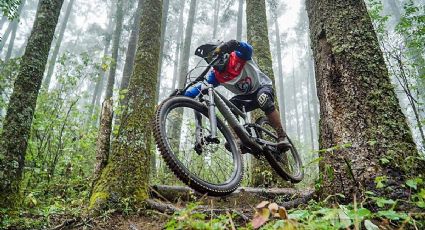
(217, 51)
(226, 47)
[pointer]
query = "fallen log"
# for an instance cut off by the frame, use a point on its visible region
(168, 208)
(243, 196)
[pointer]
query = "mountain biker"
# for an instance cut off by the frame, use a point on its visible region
(237, 72)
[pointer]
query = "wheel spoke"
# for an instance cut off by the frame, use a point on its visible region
(215, 164)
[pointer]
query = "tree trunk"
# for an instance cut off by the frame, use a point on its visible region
(119, 17)
(55, 52)
(309, 105)
(5, 36)
(295, 100)
(215, 21)
(131, 52)
(103, 145)
(126, 174)
(258, 37)
(2, 21)
(240, 17)
(105, 127)
(11, 40)
(100, 80)
(17, 124)
(314, 99)
(360, 113)
(178, 45)
(280, 77)
(185, 54)
(161, 53)
(11, 28)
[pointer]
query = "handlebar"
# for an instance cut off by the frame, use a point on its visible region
(202, 76)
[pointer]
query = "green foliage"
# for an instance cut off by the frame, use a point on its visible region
(188, 218)
(403, 45)
(314, 215)
(413, 24)
(60, 154)
(8, 72)
(9, 8)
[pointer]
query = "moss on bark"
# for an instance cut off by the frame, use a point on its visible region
(258, 37)
(361, 119)
(17, 124)
(126, 175)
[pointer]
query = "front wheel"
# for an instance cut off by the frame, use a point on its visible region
(182, 133)
(287, 164)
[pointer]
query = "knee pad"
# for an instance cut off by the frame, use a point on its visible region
(266, 103)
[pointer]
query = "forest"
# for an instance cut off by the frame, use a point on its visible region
(98, 129)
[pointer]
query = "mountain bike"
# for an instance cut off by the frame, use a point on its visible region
(198, 143)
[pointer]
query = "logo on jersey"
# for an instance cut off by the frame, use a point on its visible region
(244, 85)
(262, 99)
(238, 67)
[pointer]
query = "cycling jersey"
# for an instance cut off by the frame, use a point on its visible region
(241, 76)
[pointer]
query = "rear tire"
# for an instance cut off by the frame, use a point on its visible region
(287, 164)
(215, 156)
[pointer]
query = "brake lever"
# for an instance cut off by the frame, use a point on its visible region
(176, 92)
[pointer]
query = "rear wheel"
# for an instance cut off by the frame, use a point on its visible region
(288, 163)
(182, 131)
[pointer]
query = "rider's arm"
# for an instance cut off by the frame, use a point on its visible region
(244, 51)
(197, 89)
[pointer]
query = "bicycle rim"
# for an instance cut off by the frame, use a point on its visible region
(287, 164)
(212, 169)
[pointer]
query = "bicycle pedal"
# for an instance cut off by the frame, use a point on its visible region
(214, 140)
(198, 149)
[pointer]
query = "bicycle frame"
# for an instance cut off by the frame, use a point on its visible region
(228, 110)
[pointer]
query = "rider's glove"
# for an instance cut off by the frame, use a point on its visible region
(226, 47)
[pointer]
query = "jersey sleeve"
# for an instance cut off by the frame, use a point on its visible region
(244, 51)
(197, 89)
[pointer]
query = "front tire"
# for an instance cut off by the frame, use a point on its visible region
(209, 168)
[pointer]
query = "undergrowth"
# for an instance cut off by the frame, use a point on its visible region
(372, 213)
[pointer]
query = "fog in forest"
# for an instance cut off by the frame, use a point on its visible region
(86, 50)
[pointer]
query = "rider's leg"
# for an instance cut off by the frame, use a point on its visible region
(274, 118)
(265, 99)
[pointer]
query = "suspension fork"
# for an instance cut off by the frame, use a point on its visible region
(212, 115)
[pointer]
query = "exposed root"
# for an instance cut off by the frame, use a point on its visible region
(162, 207)
(298, 201)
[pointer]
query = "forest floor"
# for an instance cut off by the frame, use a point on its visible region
(178, 207)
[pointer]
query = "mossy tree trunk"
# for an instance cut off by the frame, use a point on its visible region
(130, 55)
(17, 124)
(126, 174)
(359, 110)
(258, 37)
